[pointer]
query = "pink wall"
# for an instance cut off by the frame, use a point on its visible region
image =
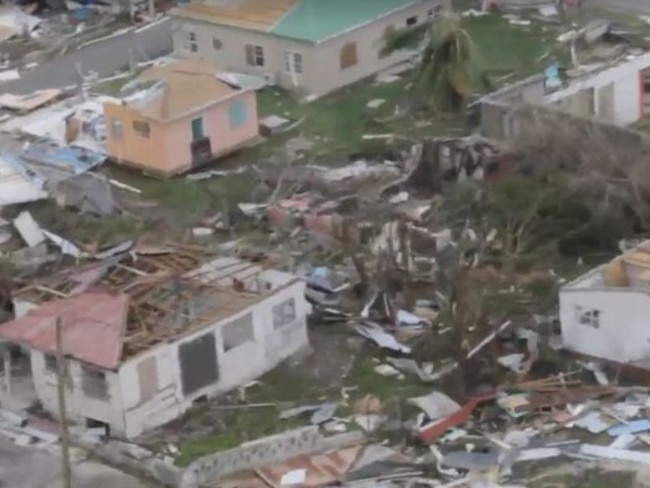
(216, 125)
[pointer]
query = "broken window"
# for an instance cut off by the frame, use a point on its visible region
(284, 313)
(254, 55)
(434, 11)
(116, 129)
(141, 128)
(192, 44)
(348, 55)
(52, 367)
(237, 332)
(411, 21)
(588, 317)
(93, 383)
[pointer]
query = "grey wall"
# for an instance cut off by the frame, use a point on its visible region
(306, 440)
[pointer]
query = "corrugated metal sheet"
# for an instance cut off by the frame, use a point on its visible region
(72, 159)
(93, 326)
(17, 183)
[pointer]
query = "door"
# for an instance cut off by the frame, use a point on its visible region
(197, 129)
(606, 103)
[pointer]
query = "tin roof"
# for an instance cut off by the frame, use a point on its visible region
(18, 184)
(305, 20)
(186, 85)
(248, 14)
(316, 20)
(171, 291)
(92, 323)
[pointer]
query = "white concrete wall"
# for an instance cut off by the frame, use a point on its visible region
(623, 334)
(627, 89)
(236, 366)
(79, 407)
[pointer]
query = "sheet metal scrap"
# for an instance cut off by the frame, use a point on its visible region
(550, 399)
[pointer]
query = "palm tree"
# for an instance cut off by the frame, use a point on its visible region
(448, 69)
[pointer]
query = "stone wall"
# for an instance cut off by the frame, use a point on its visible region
(268, 450)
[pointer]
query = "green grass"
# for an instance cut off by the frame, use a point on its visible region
(185, 201)
(506, 49)
(84, 228)
(303, 384)
(242, 425)
(336, 123)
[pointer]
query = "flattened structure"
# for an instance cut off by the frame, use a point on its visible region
(171, 292)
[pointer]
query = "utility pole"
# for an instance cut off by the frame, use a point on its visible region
(60, 386)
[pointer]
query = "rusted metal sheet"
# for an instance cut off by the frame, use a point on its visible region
(93, 325)
(428, 433)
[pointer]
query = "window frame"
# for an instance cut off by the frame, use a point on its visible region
(94, 383)
(117, 129)
(293, 62)
(202, 127)
(284, 313)
(192, 42)
(141, 128)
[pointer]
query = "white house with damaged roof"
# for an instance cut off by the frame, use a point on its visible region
(313, 46)
(615, 92)
(605, 313)
(147, 334)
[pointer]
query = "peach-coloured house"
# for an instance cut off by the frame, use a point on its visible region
(188, 117)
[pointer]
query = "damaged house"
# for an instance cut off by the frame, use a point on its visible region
(615, 92)
(604, 313)
(147, 334)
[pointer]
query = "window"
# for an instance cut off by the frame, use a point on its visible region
(216, 44)
(141, 128)
(197, 129)
(192, 43)
(284, 313)
(254, 55)
(590, 317)
(348, 55)
(293, 62)
(116, 129)
(411, 21)
(237, 113)
(93, 383)
(52, 366)
(51, 363)
(237, 332)
(389, 31)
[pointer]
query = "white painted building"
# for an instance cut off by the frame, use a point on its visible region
(255, 319)
(613, 93)
(605, 313)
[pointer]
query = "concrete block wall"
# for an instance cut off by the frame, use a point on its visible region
(268, 450)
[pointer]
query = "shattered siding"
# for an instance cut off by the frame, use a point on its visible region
(236, 366)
